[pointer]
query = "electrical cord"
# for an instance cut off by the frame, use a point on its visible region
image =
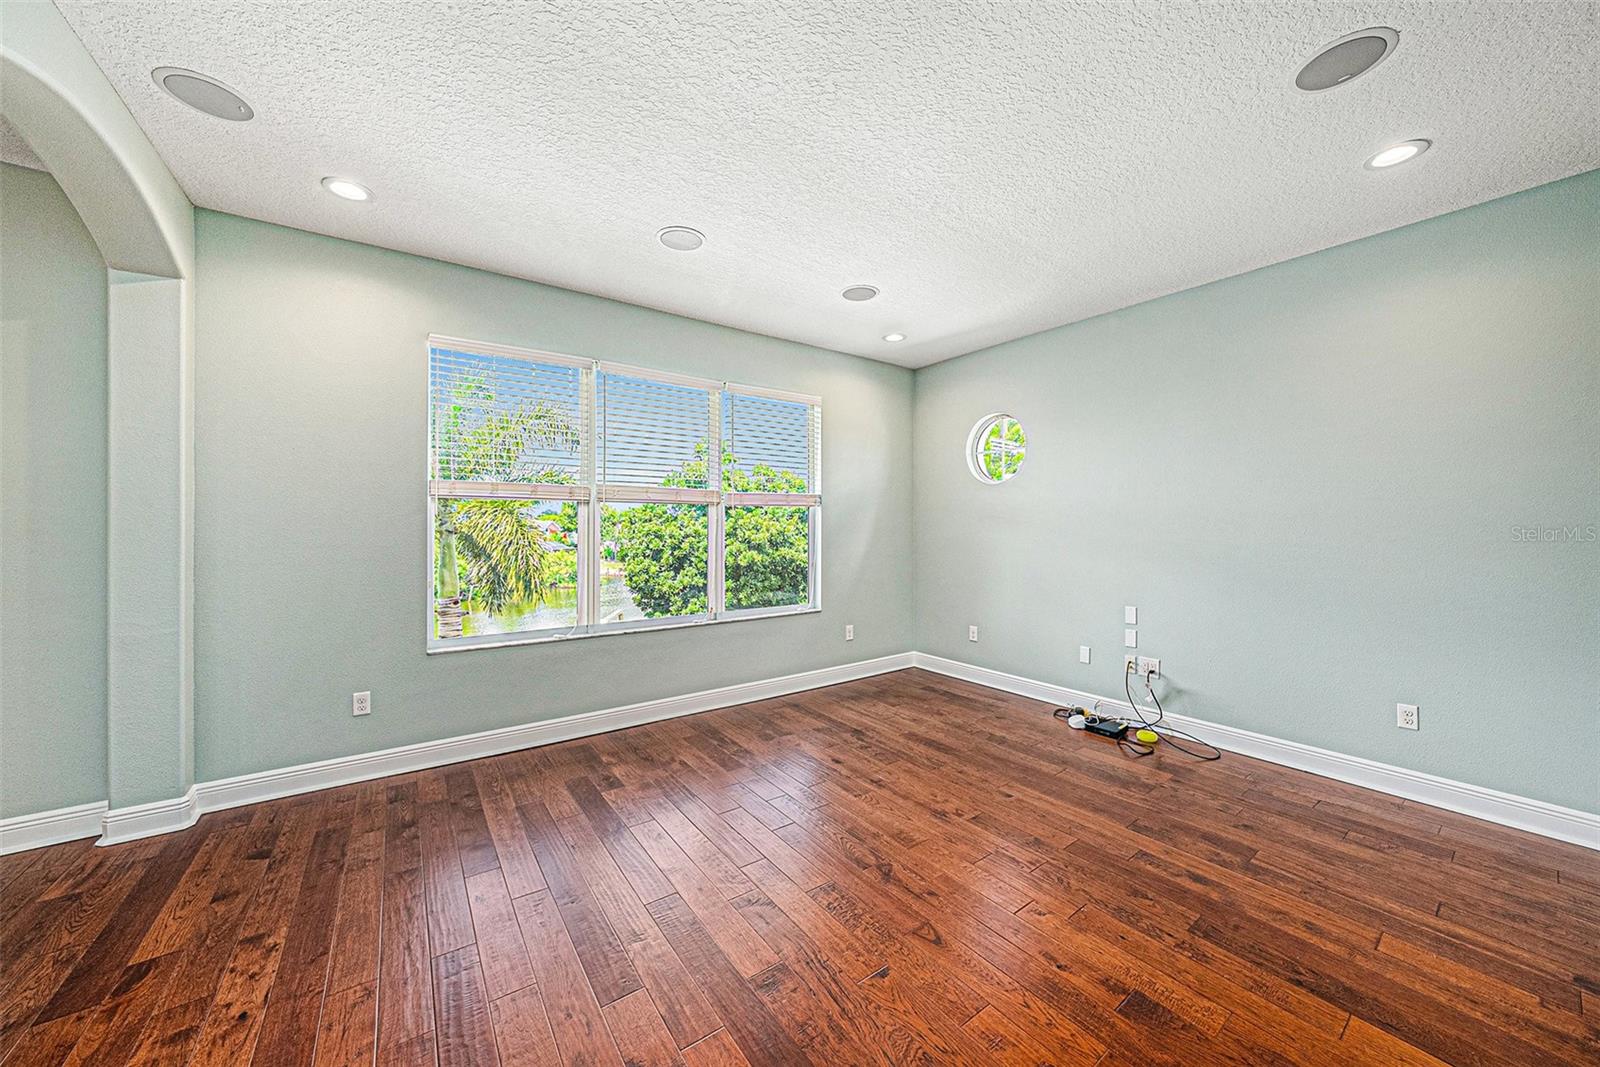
(1161, 714)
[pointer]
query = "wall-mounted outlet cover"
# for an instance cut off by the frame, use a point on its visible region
(361, 704)
(1130, 638)
(1405, 716)
(1083, 653)
(972, 633)
(849, 631)
(1148, 667)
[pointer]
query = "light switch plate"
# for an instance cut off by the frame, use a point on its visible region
(1130, 638)
(1130, 615)
(1083, 653)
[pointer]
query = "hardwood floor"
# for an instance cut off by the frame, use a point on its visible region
(906, 869)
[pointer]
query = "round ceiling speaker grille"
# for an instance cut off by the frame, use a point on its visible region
(203, 93)
(1347, 59)
(859, 293)
(681, 238)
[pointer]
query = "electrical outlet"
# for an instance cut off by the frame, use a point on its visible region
(972, 633)
(849, 632)
(1130, 639)
(1083, 653)
(1405, 716)
(1149, 668)
(361, 704)
(1130, 663)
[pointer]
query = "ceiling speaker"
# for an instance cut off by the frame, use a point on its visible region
(203, 93)
(1347, 59)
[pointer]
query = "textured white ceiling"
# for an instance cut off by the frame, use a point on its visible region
(995, 168)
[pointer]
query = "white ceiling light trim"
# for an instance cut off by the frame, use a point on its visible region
(858, 293)
(894, 338)
(346, 189)
(1397, 154)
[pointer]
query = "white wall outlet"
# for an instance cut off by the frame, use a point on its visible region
(849, 631)
(1405, 716)
(1130, 615)
(1130, 639)
(972, 633)
(1130, 663)
(1083, 653)
(361, 704)
(1149, 668)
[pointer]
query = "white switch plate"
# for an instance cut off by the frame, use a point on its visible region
(361, 704)
(1083, 653)
(1130, 638)
(849, 632)
(1405, 716)
(972, 633)
(1130, 615)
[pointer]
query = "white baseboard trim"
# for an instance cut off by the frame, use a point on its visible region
(21, 833)
(24, 832)
(268, 785)
(1491, 805)
(148, 820)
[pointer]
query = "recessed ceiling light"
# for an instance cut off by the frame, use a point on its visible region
(349, 190)
(681, 238)
(202, 93)
(859, 293)
(1398, 153)
(893, 337)
(1347, 58)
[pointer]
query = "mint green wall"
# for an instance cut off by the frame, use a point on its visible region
(310, 514)
(52, 501)
(1308, 479)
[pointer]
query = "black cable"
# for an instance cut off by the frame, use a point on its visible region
(1161, 714)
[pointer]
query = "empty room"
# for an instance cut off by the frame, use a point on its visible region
(631, 533)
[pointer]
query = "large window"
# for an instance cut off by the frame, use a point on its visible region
(570, 497)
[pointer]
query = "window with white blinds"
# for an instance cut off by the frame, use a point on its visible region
(570, 497)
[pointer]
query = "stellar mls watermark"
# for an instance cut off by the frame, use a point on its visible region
(1541, 534)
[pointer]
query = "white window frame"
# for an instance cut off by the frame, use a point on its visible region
(591, 495)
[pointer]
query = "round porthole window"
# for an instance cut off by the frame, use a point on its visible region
(996, 448)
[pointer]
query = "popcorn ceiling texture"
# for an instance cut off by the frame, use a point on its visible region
(995, 168)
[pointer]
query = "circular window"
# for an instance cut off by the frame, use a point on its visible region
(996, 448)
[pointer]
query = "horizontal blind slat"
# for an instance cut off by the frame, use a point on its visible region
(502, 418)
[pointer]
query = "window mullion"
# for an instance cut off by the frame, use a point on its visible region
(589, 518)
(716, 579)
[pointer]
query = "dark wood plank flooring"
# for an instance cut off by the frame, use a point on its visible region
(902, 870)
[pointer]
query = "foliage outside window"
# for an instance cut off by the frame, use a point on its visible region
(571, 497)
(996, 448)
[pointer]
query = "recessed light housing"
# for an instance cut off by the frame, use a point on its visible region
(202, 93)
(892, 338)
(681, 238)
(858, 293)
(1396, 154)
(347, 189)
(1346, 59)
